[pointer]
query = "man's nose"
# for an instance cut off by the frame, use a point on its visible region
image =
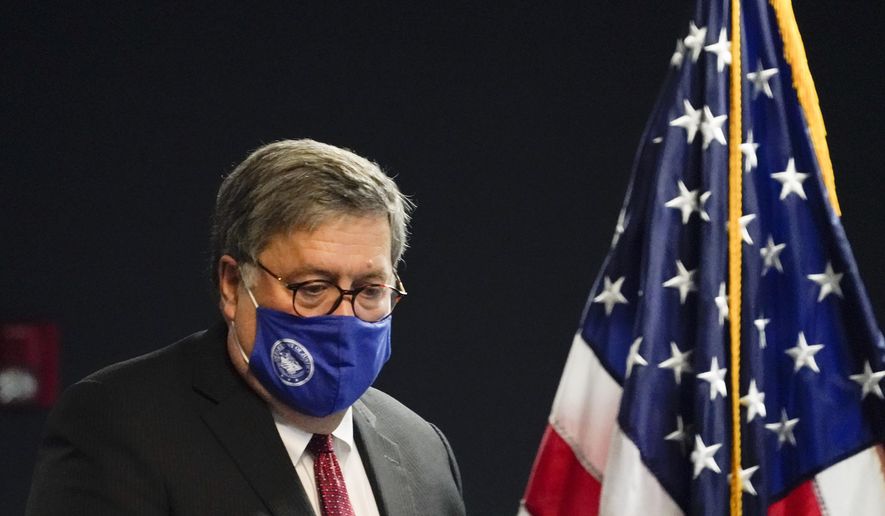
(345, 307)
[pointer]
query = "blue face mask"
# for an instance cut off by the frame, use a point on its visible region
(317, 365)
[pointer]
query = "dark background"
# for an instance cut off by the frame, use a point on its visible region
(512, 126)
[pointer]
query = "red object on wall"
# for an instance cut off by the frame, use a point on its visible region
(29, 364)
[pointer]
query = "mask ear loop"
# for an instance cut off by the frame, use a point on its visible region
(233, 325)
(251, 295)
(233, 329)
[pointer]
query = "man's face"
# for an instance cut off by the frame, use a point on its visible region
(349, 251)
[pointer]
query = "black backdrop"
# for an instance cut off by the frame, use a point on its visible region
(512, 126)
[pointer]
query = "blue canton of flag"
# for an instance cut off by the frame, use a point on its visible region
(812, 354)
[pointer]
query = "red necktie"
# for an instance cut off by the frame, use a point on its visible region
(330, 482)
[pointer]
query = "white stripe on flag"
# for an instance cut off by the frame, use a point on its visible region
(630, 488)
(584, 414)
(585, 408)
(855, 486)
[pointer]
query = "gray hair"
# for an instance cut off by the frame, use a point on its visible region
(299, 185)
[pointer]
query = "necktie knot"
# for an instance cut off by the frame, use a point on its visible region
(320, 443)
(331, 488)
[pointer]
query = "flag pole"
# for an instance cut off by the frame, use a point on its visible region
(735, 242)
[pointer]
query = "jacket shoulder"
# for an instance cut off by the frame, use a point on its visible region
(113, 437)
(424, 452)
(166, 361)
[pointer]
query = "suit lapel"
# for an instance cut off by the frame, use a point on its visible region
(245, 428)
(382, 459)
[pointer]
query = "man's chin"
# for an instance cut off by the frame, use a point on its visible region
(306, 422)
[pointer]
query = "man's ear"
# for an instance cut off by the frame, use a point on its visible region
(228, 286)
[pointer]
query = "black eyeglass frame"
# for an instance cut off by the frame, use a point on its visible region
(399, 289)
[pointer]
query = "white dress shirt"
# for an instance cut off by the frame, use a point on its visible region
(355, 478)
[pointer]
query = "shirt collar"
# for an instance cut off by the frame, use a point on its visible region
(296, 439)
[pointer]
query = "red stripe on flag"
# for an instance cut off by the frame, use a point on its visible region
(559, 484)
(801, 500)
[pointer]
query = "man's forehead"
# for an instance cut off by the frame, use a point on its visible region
(370, 229)
(378, 223)
(359, 244)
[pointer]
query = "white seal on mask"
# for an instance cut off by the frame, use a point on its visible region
(292, 363)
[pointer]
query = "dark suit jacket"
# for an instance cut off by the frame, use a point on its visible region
(179, 432)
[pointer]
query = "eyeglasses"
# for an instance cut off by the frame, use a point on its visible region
(313, 298)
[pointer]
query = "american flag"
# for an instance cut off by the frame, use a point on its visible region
(642, 420)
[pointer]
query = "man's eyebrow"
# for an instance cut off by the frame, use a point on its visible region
(299, 273)
(372, 277)
(303, 273)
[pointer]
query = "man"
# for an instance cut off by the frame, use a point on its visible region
(269, 412)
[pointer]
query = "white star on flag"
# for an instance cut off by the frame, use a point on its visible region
(760, 325)
(722, 49)
(702, 208)
(722, 304)
(689, 121)
(828, 281)
(748, 149)
(716, 378)
(790, 180)
(771, 256)
(784, 429)
(869, 381)
(686, 201)
(711, 127)
(683, 280)
(702, 456)
(678, 54)
(744, 475)
(633, 356)
(678, 362)
(611, 294)
(760, 79)
(803, 354)
(743, 222)
(695, 40)
(680, 435)
(754, 400)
